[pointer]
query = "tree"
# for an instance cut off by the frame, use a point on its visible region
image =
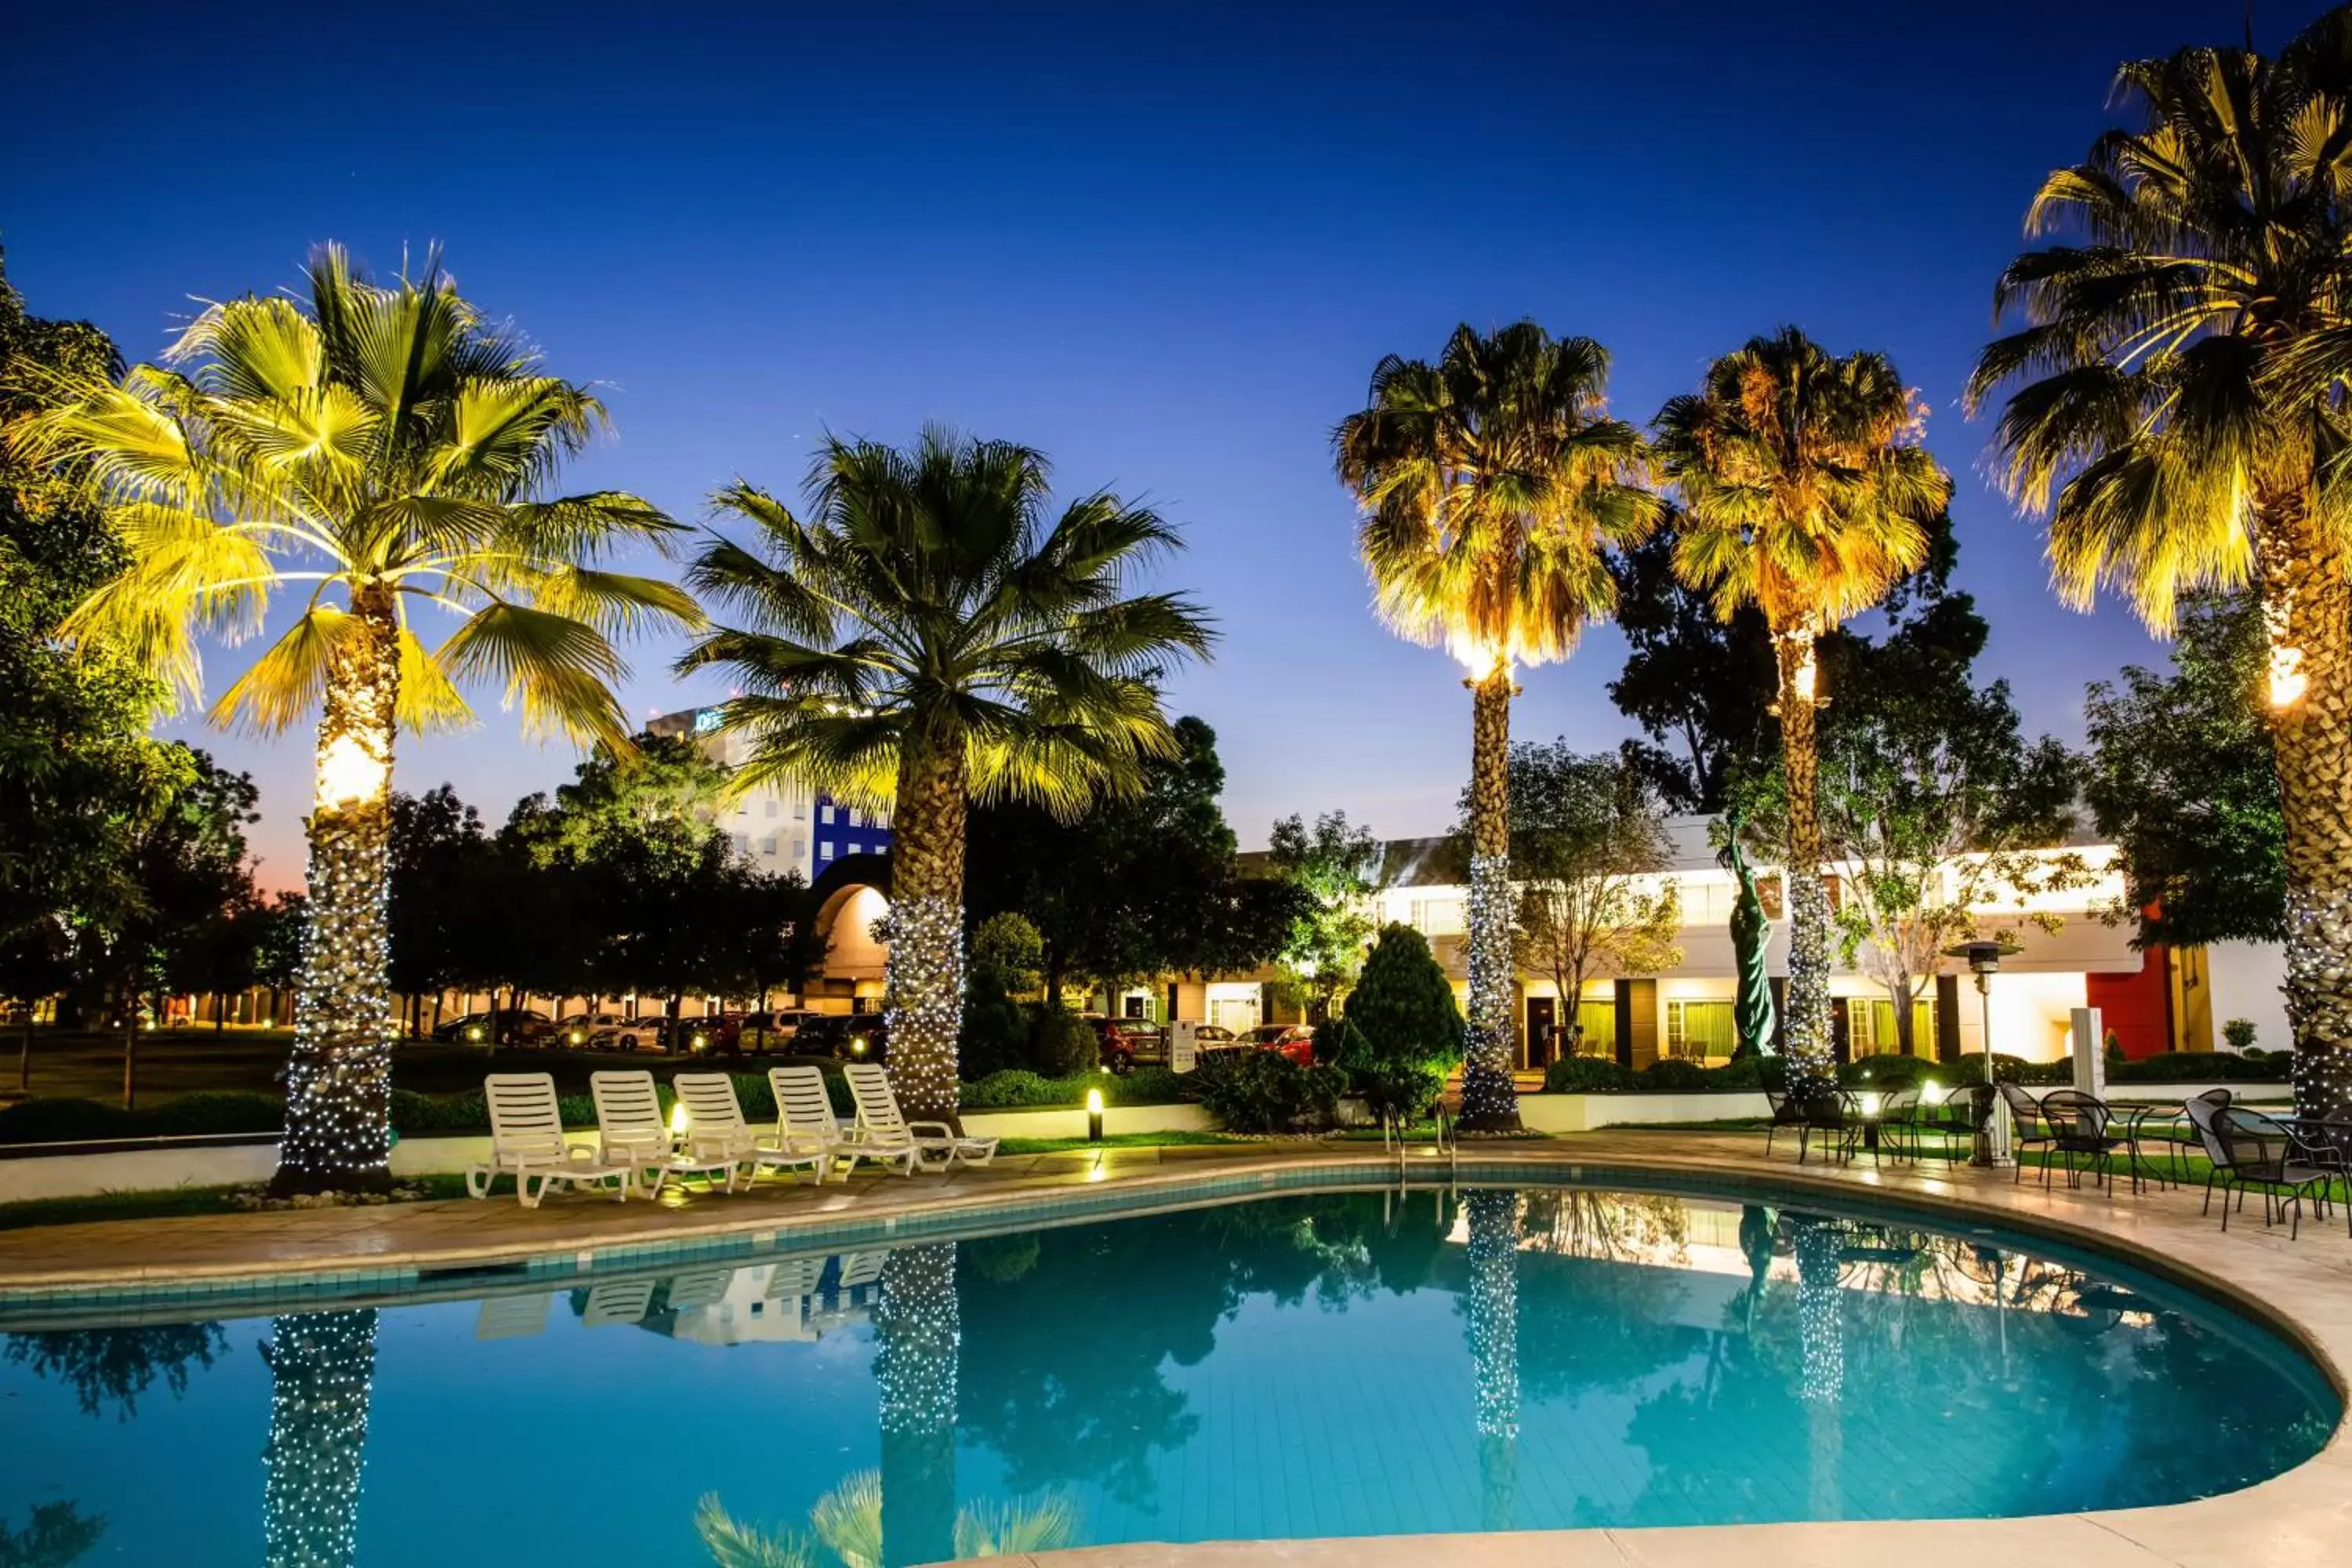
(1937, 804)
(1140, 884)
(925, 638)
(1405, 1031)
(1338, 865)
(437, 848)
(1700, 686)
(54, 1534)
(1493, 485)
(1806, 494)
(2174, 404)
(389, 446)
(1588, 844)
(77, 772)
(2183, 782)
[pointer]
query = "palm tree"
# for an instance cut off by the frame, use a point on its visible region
(927, 637)
(1806, 494)
(2175, 408)
(386, 451)
(1493, 484)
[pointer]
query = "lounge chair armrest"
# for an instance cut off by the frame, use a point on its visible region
(931, 1128)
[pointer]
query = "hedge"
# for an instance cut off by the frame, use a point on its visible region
(75, 1121)
(1601, 1075)
(1015, 1089)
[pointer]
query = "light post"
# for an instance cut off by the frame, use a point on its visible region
(1992, 1140)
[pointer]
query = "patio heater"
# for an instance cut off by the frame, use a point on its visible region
(1992, 1142)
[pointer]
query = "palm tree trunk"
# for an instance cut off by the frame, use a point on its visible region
(338, 1075)
(2307, 605)
(917, 1326)
(321, 1367)
(1812, 1066)
(1490, 1102)
(1493, 1310)
(925, 978)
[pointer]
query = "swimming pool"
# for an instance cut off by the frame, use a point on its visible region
(1334, 1363)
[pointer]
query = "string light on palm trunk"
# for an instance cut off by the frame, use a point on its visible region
(924, 982)
(2319, 1000)
(322, 1370)
(338, 1076)
(1488, 1093)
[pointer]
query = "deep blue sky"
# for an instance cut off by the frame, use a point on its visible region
(1165, 245)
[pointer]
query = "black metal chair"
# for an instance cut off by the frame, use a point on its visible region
(1826, 1114)
(1898, 1117)
(2082, 1124)
(2248, 1150)
(2027, 1124)
(1786, 1112)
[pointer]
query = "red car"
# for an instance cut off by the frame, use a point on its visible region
(1123, 1042)
(1295, 1041)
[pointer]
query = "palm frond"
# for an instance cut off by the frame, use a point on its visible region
(285, 684)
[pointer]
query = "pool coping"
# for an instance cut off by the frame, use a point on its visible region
(2302, 1291)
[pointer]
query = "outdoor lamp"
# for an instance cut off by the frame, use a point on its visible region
(1093, 1116)
(1992, 1140)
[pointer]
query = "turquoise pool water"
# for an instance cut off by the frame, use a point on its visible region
(1329, 1365)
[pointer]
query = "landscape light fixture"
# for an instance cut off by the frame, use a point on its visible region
(1993, 1139)
(1093, 1116)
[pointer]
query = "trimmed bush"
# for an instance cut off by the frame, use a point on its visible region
(2239, 1034)
(192, 1115)
(2204, 1067)
(1588, 1075)
(1061, 1043)
(1020, 1090)
(1402, 1031)
(1266, 1091)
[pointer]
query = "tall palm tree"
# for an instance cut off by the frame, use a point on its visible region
(384, 451)
(926, 636)
(1493, 484)
(1805, 492)
(2175, 408)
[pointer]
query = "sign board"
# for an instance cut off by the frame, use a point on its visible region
(2088, 1041)
(1182, 1052)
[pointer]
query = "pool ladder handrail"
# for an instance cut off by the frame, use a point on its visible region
(1394, 1140)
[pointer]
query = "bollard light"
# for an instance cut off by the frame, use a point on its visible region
(1093, 1116)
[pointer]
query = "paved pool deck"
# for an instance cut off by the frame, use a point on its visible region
(2303, 1287)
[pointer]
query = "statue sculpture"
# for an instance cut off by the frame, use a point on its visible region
(1751, 934)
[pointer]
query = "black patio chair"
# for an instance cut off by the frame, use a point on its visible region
(1899, 1119)
(2026, 1124)
(1786, 1112)
(2248, 1150)
(1829, 1115)
(2082, 1124)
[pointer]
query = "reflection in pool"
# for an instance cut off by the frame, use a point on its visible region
(1337, 1365)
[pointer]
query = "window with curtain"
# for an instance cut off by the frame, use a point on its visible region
(1870, 1026)
(1701, 1031)
(1599, 1022)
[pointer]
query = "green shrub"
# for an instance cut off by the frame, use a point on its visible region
(1060, 1042)
(1266, 1091)
(994, 1036)
(1888, 1070)
(1402, 1031)
(192, 1115)
(2239, 1034)
(1744, 1075)
(1969, 1068)
(1669, 1074)
(2204, 1067)
(1338, 1041)
(1587, 1075)
(1020, 1090)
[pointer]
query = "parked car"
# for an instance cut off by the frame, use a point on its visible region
(1295, 1041)
(1124, 1043)
(774, 1031)
(504, 1026)
(713, 1033)
(844, 1037)
(604, 1032)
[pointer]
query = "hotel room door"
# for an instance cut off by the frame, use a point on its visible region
(1542, 1014)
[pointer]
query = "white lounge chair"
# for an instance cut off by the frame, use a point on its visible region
(512, 1317)
(527, 1141)
(618, 1301)
(805, 1121)
(632, 1132)
(715, 1128)
(883, 1129)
